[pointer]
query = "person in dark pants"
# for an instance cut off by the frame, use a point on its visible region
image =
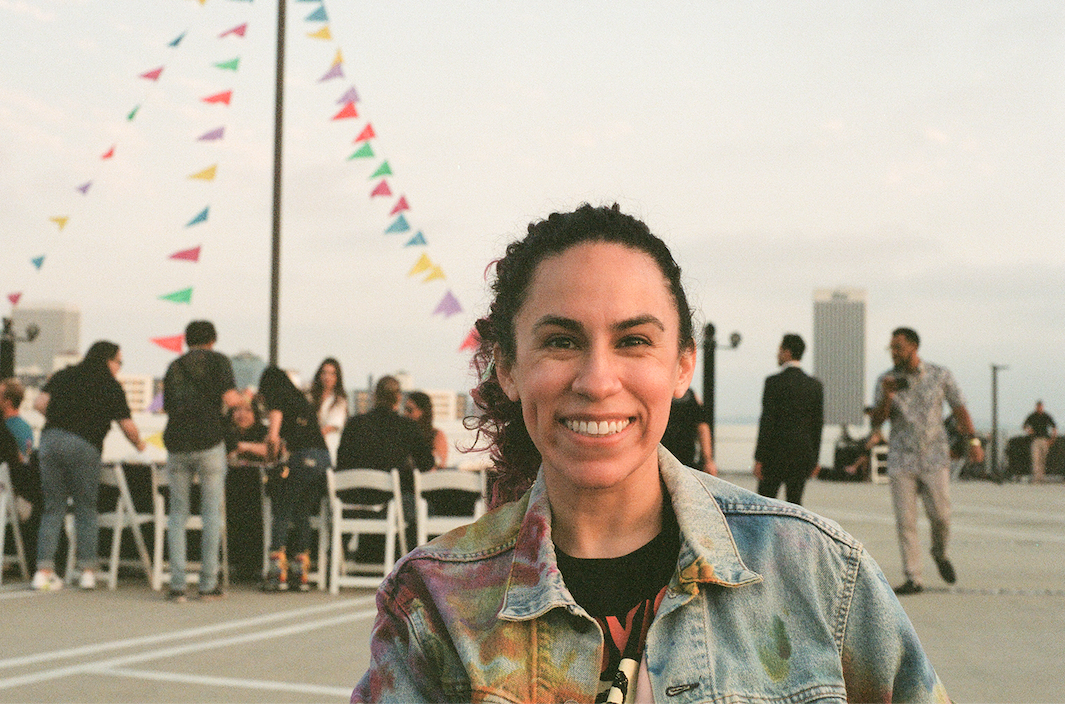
(789, 432)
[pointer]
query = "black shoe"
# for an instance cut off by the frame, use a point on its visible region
(176, 596)
(911, 587)
(213, 595)
(946, 570)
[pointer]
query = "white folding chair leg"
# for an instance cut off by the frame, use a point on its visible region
(9, 517)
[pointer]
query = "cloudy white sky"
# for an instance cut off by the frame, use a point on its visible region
(912, 149)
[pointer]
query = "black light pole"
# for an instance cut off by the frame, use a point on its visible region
(275, 252)
(994, 418)
(709, 353)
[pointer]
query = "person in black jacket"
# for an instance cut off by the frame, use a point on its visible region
(383, 439)
(789, 432)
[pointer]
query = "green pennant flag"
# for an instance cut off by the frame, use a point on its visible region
(132, 114)
(230, 65)
(182, 296)
(364, 152)
(383, 170)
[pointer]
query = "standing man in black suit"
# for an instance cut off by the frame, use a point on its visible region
(789, 432)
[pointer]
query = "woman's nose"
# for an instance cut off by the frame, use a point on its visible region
(597, 376)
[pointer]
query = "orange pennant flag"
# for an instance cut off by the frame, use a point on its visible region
(367, 133)
(172, 343)
(347, 111)
(401, 205)
(472, 341)
(109, 153)
(222, 97)
(381, 189)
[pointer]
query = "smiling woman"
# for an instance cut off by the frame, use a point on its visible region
(609, 571)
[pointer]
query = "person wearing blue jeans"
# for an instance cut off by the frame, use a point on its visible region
(209, 466)
(70, 467)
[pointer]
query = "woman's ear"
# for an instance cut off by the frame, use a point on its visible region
(687, 371)
(504, 372)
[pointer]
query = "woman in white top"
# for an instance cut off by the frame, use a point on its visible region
(328, 396)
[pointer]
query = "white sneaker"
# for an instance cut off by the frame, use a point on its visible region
(87, 579)
(46, 581)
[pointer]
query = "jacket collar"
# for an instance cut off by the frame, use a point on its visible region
(708, 553)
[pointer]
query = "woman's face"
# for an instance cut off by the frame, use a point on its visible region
(597, 364)
(410, 408)
(328, 376)
(243, 417)
(115, 363)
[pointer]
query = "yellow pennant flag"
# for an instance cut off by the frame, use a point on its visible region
(339, 59)
(423, 264)
(155, 439)
(322, 33)
(436, 273)
(207, 174)
(60, 220)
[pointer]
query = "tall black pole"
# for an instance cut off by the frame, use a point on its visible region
(275, 252)
(709, 350)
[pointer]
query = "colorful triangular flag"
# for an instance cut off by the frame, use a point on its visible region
(14, 298)
(173, 343)
(435, 273)
(367, 133)
(318, 15)
(222, 97)
(335, 71)
(132, 114)
(346, 112)
(207, 174)
(84, 188)
(153, 75)
(178, 39)
(230, 65)
(383, 170)
(38, 262)
(202, 217)
(214, 134)
(60, 220)
(156, 439)
(182, 296)
(472, 341)
(448, 306)
(418, 239)
(322, 33)
(351, 96)
(400, 225)
(381, 189)
(362, 152)
(239, 30)
(423, 264)
(401, 204)
(156, 406)
(109, 153)
(188, 255)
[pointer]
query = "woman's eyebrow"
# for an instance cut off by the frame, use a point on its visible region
(574, 326)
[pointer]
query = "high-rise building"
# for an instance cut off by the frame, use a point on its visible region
(59, 336)
(839, 352)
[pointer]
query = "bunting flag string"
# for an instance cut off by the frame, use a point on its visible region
(400, 225)
(417, 240)
(188, 255)
(348, 111)
(153, 75)
(230, 65)
(322, 33)
(383, 170)
(364, 152)
(401, 204)
(14, 298)
(381, 189)
(60, 220)
(237, 31)
(37, 262)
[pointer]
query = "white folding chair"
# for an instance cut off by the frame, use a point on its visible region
(123, 516)
(9, 517)
(878, 464)
(319, 523)
(425, 483)
(378, 511)
(160, 567)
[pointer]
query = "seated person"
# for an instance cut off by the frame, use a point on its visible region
(246, 437)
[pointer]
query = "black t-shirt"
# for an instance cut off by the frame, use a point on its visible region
(1040, 422)
(685, 415)
(383, 439)
(85, 403)
(192, 398)
(299, 422)
(255, 433)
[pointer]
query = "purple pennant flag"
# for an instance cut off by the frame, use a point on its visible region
(84, 188)
(448, 306)
(212, 135)
(352, 96)
(337, 71)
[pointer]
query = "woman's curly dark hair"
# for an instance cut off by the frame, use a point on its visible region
(514, 457)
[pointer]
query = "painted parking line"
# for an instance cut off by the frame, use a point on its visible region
(955, 527)
(340, 693)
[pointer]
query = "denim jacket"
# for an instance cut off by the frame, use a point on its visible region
(769, 603)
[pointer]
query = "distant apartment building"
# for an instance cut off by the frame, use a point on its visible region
(839, 353)
(140, 390)
(56, 344)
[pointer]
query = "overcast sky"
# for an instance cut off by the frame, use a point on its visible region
(910, 149)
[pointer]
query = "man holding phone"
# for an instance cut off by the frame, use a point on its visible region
(912, 396)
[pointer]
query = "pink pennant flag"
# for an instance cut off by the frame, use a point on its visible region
(84, 188)
(14, 298)
(222, 97)
(172, 343)
(239, 30)
(335, 71)
(381, 189)
(188, 255)
(448, 306)
(472, 341)
(346, 112)
(212, 135)
(367, 133)
(153, 75)
(110, 153)
(401, 205)
(351, 96)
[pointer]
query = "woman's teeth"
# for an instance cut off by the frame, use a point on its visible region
(602, 427)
